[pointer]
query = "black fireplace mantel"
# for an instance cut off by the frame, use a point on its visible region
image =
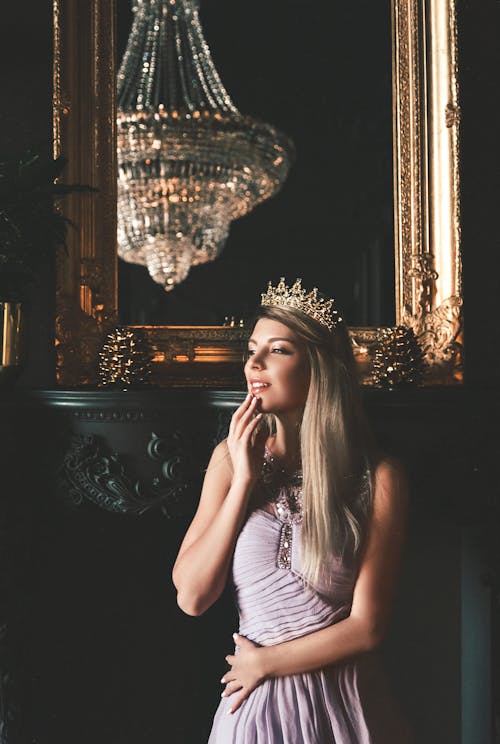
(446, 436)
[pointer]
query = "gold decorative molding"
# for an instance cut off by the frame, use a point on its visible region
(426, 181)
(452, 114)
(201, 356)
(426, 118)
(84, 131)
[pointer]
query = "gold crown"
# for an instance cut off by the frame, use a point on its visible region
(310, 304)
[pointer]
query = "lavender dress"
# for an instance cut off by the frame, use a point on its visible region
(345, 703)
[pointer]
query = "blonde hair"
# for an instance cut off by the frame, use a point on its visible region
(338, 452)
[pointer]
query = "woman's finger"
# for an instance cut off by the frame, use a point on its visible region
(229, 676)
(237, 415)
(238, 700)
(252, 426)
(246, 416)
(260, 439)
(239, 412)
(233, 686)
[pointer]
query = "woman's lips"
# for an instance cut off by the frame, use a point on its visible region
(258, 389)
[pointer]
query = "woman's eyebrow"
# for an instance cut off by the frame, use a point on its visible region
(274, 338)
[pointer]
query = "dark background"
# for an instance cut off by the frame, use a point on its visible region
(324, 79)
(99, 561)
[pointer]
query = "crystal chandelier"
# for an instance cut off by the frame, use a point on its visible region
(188, 161)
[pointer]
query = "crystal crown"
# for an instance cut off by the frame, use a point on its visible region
(309, 303)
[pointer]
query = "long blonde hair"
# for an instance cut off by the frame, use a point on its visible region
(338, 451)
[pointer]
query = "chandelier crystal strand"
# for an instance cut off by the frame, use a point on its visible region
(189, 162)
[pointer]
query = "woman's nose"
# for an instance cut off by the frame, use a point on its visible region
(256, 361)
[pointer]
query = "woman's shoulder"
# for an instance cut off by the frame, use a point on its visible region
(389, 466)
(391, 482)
(221, 448)
(221, 456)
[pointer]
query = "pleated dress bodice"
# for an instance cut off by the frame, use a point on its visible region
(344, 703)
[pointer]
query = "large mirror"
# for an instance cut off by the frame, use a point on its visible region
(332, 222)
(369, 211)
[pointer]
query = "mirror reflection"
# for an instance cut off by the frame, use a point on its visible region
(328, 87)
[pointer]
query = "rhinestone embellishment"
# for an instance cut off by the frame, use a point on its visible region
(284, 490)
(285, 547)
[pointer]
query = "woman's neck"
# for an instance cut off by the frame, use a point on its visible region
(285, 443)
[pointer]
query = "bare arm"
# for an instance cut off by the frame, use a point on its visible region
(364, 629)
(200, 571)
(202, 565)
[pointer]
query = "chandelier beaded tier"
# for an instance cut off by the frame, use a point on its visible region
(188, 161)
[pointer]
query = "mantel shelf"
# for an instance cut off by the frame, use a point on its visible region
(414, 398)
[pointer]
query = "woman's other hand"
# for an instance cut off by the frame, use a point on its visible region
(246, 440)
(246, 673)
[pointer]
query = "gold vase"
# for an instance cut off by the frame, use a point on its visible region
(12, 341)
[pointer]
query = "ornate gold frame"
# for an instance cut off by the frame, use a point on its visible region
(426, 118)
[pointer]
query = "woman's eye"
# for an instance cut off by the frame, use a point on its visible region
(251, 352)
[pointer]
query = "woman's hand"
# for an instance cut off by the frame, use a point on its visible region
(246, 673)
(247, 450)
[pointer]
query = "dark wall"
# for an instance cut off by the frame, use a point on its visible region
(25, 76)
(479, 64)
(26, 122)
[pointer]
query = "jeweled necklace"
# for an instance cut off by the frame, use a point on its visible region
(283, 489)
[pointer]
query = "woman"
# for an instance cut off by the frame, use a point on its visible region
(309, 518)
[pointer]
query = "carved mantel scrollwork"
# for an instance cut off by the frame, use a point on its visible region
(92, 471)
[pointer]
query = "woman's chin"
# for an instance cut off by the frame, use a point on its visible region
(260, 405)
(263, 407)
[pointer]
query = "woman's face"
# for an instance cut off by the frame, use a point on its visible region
(277, 369)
